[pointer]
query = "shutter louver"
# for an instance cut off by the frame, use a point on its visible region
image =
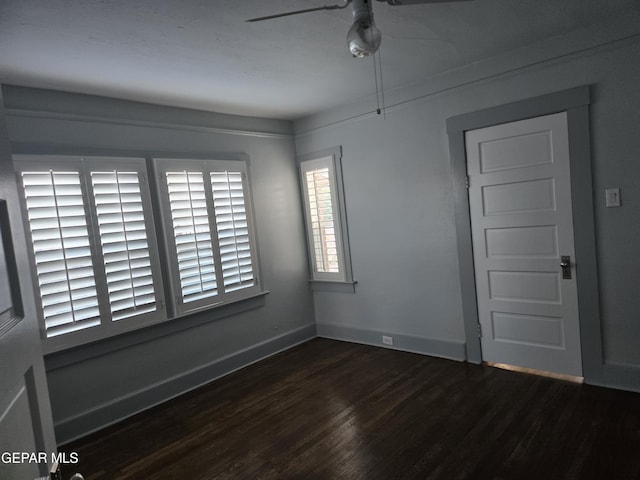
(233, 231)
(62, 252)
(125, 248)
(192, 235)
(323, 230)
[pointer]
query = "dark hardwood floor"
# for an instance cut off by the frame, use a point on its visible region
(335, 410)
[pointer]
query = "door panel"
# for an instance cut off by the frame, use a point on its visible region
(504, 153)
(521, 221)
(528, 329)
(528, 287)
(519, 197)
(13, 418)
(522, 242)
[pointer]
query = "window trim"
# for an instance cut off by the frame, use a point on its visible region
(84, 166)
(151, 190)
(240, 162)
(326, 281)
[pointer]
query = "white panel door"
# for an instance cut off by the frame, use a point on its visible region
(521, 221)
(25, 415)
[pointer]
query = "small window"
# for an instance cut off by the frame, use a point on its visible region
(210, 235)
(93, 246)
(321, 184)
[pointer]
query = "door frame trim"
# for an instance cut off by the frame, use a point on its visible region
(575, 102)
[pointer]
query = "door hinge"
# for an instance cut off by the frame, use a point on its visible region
(467, 182)
(479, 331)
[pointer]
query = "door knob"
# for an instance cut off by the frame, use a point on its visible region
(565, 265)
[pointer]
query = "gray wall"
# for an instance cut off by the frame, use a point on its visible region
(94, 386)
(401, 219)
(400, 206)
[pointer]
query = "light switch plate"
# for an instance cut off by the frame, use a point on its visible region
(612, 196)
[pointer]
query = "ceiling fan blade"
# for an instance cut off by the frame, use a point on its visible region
(297, 12)
(418, 2)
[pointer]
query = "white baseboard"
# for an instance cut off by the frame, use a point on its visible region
(408, 343)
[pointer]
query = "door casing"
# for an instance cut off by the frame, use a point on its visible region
(575, 102)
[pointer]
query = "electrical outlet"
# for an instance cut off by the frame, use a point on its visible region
(612, 197)
(386, 340)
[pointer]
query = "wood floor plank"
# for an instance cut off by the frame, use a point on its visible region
(335, 410)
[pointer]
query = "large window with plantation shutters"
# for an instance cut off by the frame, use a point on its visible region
(94, 250)
(208, 224)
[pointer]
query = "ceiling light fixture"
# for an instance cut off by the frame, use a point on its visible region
(364, 36)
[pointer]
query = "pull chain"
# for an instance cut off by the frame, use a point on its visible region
(384, 106)
(377, 71)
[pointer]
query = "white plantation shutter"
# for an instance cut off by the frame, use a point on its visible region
(62, 252)
(207, 202)
(192, 235)
(94, 250)
(323, 227)
(125, 247)
(233, 230)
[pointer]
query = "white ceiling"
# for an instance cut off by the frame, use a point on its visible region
(202, 54)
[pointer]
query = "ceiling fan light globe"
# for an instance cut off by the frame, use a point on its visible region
(364, 38)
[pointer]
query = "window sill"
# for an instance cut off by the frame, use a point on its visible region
(147, 333)
(336, 287)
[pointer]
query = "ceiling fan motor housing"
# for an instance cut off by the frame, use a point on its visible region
(364, 37)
